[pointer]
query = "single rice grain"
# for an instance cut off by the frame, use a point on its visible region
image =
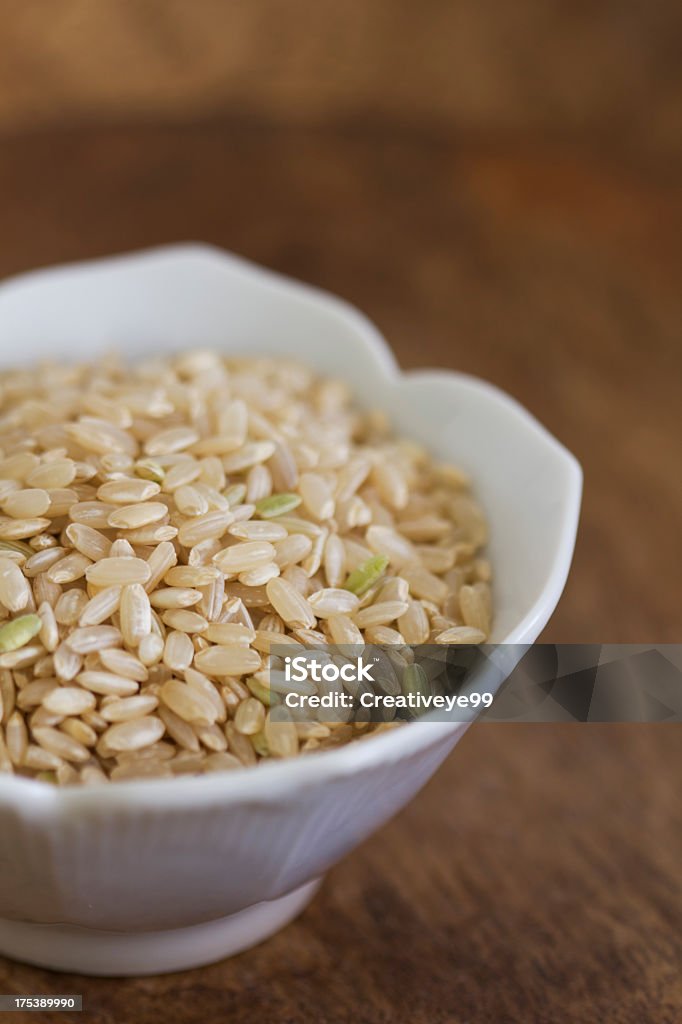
(227, 661)
(134, 734)
(118, 572)
(69, 700)
(178, 651)
(290, 604)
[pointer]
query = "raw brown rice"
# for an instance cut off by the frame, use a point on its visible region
(162, 528)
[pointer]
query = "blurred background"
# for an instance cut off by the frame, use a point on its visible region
(484, 69)
(497, 184)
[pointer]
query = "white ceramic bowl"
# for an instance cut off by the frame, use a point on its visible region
(143, 877)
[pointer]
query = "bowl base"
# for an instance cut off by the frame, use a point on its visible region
(77, 950)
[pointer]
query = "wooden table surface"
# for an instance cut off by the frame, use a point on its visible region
(537, 877)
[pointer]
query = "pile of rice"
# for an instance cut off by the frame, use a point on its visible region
(162, 526)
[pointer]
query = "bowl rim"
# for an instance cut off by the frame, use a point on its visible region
(275, 781)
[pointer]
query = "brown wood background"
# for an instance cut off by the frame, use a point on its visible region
(497, 185)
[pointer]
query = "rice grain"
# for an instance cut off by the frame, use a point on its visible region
(127, 491)
(135, 614)
(87, 639)
(178, 651)
(15, 592)
(69, 700)
(27, 503)
(100, 607)
(60, 744)
(244, 556)
(107, 683)
(188, 703)
(222, 660)
(118, 572)
(134, 734)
